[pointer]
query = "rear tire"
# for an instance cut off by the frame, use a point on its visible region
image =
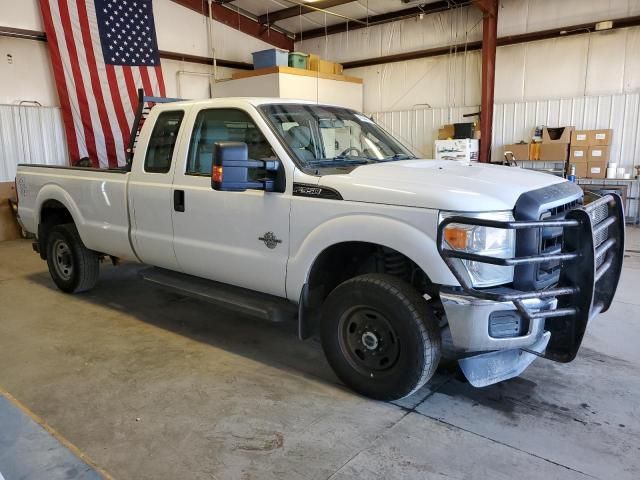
(72, 266)
(380, 336)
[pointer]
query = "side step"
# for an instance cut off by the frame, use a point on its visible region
(241, 300)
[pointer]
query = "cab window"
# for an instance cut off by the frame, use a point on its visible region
(162, 142)
(219, 125)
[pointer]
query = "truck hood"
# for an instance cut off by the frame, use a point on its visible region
(438, 184)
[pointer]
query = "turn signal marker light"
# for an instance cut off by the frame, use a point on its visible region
(456, 237)
(217, 174)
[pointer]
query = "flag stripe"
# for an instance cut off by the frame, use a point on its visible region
(131, 86)
(119, 104)
(67, 63)
(58, 72)
(146, 82)
(94, 119)
(85, 115)
(96, 86)
(160, 78)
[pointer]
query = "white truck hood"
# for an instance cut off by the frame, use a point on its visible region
(438, 184)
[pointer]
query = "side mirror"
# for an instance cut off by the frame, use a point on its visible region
(230, 169)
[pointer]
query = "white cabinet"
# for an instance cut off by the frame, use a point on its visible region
(294, 83)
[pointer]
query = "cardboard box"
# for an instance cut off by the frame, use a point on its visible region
(446, 132)
(534, 151)
(338, 68)
(325, 66)
(578, 154)
(599, 154)
(557, 135)
(9, 229)
(581, 169)
(520, 151)
(554, 152)
(314, 61)
(580, 138)
(600, 137)
(596, 169)
(460, 149)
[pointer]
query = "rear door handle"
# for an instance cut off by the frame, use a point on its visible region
(178, 200)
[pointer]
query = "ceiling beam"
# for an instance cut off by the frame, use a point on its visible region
(410, 12)
(181, 57)
(22, 33)
(501, 42)
(298, 9)
(220, 62)
(233, 18)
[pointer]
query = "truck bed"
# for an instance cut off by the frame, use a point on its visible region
(96, 199)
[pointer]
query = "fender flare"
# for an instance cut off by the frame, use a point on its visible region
(370, 228)
(52, 191)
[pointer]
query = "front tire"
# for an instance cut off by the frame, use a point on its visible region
(72, 266)
(380, 336)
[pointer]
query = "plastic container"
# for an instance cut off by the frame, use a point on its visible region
(273, 57)
(299, 60)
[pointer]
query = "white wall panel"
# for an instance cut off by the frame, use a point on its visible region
(180, 29)
(20, 14)
(515, 121)
(515, 17)
(28, 76)
(632, 60)
(417, 128)
(437, 81)
(607, 57)
(30, 135)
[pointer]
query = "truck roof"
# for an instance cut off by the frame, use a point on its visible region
(255, 101)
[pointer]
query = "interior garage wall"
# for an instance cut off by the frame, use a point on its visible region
(590, 64)
(513, 120)
(34, 134)
(413, 98)
(30, 134)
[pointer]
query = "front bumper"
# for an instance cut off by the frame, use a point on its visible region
(591, 262)
(469, 322)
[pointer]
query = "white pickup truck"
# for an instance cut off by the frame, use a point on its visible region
(287, 209)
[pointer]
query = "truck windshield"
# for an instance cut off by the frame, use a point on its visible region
(321, 136)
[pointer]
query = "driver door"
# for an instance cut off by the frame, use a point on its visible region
(239, 238)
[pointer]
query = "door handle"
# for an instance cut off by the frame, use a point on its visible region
(178, 200)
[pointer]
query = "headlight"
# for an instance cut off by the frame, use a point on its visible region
(494, 242)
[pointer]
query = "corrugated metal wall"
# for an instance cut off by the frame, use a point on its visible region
(515, 121)
(418, 127)
(30, 134)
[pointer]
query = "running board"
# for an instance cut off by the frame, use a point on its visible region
(241, 300)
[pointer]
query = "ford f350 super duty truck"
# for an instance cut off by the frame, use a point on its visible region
(287, 209)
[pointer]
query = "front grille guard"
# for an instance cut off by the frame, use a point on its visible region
(591, 256)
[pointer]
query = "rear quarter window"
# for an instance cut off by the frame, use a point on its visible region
(162, 142)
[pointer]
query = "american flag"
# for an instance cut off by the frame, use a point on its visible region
(102, 52)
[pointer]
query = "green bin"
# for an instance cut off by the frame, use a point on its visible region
(298, 60)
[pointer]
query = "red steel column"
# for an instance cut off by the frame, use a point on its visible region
(489, 38)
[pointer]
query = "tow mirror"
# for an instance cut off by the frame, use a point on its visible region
(231, 165)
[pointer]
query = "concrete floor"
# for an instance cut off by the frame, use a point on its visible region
(151, 386)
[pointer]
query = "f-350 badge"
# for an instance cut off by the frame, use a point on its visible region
(270, 240)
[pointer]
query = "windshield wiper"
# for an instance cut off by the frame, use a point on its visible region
(337, 161)
(398, 156)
